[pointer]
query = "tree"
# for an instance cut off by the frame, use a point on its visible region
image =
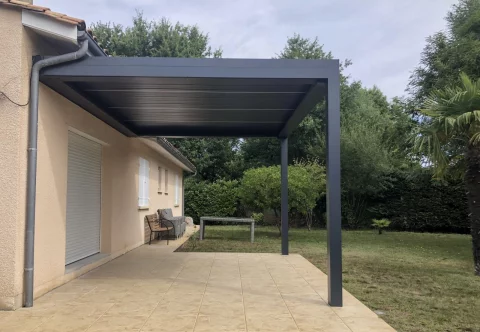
(260, 188)
(380, 224)
(214, 158)
(303, 48)
(154, 39)
(373, 136)
(310, 133)
(366, 151)
(454, 119)
(449, 53)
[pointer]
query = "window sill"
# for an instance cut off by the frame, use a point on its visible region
(166, 193)
(90, 260)
(160, 193)
(143, 207)
(176, 205)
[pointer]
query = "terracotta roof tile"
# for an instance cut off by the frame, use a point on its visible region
(45, 11)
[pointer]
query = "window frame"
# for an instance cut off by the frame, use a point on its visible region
(177, 190)
(160, 179)
(166, 181)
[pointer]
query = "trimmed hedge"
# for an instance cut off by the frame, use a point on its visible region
(412, 204)
(422, 205)
(202, 198)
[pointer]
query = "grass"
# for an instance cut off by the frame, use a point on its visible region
(423, 282)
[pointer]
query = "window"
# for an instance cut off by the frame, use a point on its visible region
(166, 181)
(143, 180)
(177, 190)
(160, 170)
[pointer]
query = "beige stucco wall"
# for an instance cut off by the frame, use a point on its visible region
(122, 222)
(14, 70)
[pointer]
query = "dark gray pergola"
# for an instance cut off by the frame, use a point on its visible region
(174, 97)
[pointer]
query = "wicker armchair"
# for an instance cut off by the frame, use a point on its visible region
(178, 222)
(158, 226)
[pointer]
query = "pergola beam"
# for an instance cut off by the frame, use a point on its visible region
(87, 103)
(103, 68)
(308, 103)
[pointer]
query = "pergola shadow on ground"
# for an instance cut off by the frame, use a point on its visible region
(174, 97)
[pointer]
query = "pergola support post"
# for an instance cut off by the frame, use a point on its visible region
(284, 193)
(334, 221)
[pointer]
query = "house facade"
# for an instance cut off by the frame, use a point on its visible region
(94, 184)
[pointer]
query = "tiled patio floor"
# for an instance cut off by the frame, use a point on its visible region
(153, 289)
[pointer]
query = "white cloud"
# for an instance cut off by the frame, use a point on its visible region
(384, 38)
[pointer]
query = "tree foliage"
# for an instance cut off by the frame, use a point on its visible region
(261, 187)
(303, 48)
(219, 198)
(154, 39)
(214, 158)
(449, 53)
(454, 125)
(380, 224)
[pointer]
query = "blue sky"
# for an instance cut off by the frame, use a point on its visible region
(383, 38)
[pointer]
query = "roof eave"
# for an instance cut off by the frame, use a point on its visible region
(93, 48)
(164, 143)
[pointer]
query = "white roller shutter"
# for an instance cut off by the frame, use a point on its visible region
(83, 198)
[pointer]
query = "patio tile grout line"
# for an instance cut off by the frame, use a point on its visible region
(243, 299)
(115, 302)
(204, 290)
(40, 325)
(102, 315)
(291, 315)
(89, 326)
(176, 277)
(90, 291)
(326, 301)
(151, 313)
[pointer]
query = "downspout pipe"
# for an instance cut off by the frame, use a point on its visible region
(32, 159)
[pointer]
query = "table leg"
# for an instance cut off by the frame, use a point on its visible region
(252, 231)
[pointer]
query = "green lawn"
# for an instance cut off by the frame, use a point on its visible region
(423, 282)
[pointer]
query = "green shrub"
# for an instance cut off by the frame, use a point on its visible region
(380, 224)
(202, 198)
(258, 217)
(260, 188)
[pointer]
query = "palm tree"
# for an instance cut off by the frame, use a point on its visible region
(450, 138)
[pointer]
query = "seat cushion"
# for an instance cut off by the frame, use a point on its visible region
(167, 213)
